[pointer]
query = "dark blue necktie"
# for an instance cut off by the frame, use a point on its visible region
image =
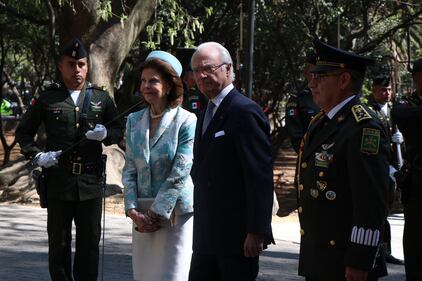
(208, 116)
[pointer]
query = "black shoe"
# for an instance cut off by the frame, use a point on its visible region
(393, 260)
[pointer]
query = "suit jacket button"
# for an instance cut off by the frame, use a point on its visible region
(77, 109)
(321, 174)
(304, 165)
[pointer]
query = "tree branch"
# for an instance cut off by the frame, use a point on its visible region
(13, 12)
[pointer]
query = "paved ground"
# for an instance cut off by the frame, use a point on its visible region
(23, 248)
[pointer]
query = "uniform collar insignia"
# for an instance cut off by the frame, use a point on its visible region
(327, 146)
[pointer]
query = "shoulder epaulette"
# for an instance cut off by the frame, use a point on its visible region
(360, 113)
(96, 87)
(51, 86)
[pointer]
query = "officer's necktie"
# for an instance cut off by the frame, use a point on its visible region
(318, 126)
(208, 116)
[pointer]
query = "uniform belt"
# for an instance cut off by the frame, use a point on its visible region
(78, 168)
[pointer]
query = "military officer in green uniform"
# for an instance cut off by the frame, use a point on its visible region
(78, 118)
(301, 108)
(381, 103)
(193, 100)
(408, 116)
(342, 175)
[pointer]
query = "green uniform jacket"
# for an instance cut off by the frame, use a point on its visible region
(300, 110)
(194, 101)
(342, 178)
(77, 176)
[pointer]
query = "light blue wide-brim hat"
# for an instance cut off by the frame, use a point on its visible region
(168, 58)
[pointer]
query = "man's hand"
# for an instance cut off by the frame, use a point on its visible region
(354, 274)
(47, 159)
(253, 246)
(99, 133)
(397, 137)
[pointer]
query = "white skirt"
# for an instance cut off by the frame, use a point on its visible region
(165, 254)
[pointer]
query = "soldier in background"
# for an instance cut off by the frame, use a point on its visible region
(381, 102)
(78, 119)
(407, 113)
(300, 108)
(193, 100)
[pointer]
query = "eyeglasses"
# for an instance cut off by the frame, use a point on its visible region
(207, 69)
(319, 76)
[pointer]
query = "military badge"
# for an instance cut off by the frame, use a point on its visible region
(323, 159)
(95, 106)
(321, 185)
(314, 192)
(360, 113)
(327, 146)
(370, 141)
(330, 195)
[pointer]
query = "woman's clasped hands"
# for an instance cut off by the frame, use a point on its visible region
(145, 222)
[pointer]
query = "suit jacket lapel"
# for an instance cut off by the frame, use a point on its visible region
(165, 122)
(219, 115)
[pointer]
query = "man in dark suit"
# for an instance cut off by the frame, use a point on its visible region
(78, 119)
(342, 175)
(232, 173)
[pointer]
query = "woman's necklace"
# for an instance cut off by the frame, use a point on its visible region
(154, 116)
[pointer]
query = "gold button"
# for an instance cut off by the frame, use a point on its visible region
(332, 242)
(304, 165)
(321, 174)
(77, 125)
(78, 158)
(302, 232)
(96, 115)
(77, 109)
(301, 187)
(57, 118)
(300, 210)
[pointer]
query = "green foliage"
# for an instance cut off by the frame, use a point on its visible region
(173, 20)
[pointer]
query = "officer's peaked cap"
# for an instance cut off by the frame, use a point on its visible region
(74, 49)
(381, 80)
(330, 58)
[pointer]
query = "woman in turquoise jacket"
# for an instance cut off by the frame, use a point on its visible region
(158, 189)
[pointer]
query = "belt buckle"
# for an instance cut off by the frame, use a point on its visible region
(76, 168)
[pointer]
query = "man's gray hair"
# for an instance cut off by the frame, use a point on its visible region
(224, 55)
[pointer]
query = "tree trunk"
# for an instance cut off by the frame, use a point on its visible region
(108, 42)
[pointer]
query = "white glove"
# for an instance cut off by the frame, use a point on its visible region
(48, 159)
(392, 172)
(99, 133)
(397, 137)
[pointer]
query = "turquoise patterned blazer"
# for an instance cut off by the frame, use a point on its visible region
(160, 166)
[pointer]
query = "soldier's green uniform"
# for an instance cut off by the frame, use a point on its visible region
(76, 177)
(194, 101)
(342, 179)
(74, 189)
(300, 110)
